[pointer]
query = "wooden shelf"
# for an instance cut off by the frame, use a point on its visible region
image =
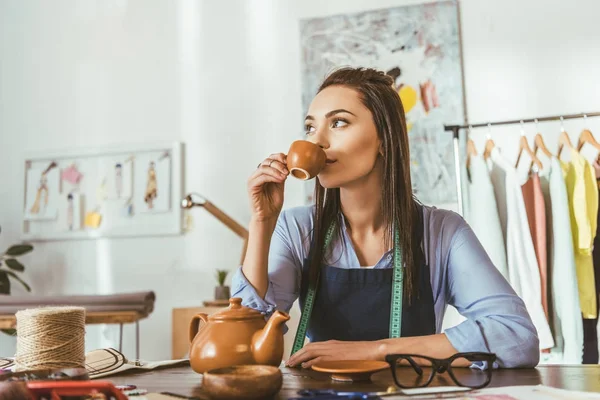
(98, 317)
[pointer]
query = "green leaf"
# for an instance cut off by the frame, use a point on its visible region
(14, 265)
(18, 278)
(11, 332)
(19, 249)
(4, 282)
(221, 275)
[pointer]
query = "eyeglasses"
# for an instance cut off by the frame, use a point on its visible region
(413, 371)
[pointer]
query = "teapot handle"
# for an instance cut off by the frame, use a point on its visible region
(194, 324)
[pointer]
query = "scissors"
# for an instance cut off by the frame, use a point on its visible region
(329, 394)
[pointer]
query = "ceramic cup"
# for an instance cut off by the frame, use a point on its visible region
(305, 160)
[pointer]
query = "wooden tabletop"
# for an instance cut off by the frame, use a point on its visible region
(184, 381)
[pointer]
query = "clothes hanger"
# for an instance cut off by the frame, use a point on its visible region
(489, 144)
(587, 137)
(471, 149)
(563, 139)
(538, 142)
(524, 147)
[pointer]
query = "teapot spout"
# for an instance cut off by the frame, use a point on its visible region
(267, 343)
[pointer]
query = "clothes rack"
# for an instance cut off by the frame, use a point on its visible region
(455, 129)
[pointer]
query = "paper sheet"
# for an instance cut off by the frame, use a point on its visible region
(106, 362)
(538, 392)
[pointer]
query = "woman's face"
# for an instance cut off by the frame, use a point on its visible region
(338, 121)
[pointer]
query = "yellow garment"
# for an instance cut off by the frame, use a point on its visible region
(583, 209)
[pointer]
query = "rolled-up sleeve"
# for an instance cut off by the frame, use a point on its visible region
(497, 320)
(284, 271)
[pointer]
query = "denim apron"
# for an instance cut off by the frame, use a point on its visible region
(354, 304)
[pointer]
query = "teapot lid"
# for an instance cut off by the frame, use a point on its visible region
(236, 311)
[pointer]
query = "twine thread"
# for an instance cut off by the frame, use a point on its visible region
(50, 338)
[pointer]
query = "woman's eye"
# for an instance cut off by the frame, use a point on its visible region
(308, 129)
(339, 123)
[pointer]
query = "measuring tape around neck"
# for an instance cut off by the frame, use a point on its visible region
(397, 292)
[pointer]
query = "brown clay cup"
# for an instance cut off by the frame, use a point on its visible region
(242, 382)
(305, 160)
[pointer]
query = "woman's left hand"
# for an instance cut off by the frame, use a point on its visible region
(334, 350)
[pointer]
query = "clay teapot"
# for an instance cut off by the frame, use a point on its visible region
(237, 335)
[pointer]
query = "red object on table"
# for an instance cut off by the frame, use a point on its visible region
(55, 389)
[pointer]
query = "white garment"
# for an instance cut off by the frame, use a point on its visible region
(483, 213)
(566, 312)
(523, 271)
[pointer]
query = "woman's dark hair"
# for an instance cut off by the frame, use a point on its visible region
(399, 208)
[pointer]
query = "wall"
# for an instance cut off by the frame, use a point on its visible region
(224, 78)
(528, 59)
(88, 73)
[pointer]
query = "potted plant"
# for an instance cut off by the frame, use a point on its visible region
(222, 291)
(10, 266)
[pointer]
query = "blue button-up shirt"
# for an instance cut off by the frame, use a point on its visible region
(462, 275)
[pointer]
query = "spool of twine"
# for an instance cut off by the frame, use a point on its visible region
(50, 337)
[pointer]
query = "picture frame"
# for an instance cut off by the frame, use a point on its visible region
(99, 192)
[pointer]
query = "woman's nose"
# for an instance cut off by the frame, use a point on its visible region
(320, 139)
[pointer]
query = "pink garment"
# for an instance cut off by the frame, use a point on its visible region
(71, 175)
(536, 217)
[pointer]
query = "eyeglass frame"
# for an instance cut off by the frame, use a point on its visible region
(439, 366)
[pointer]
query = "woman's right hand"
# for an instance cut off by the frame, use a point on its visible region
(265, 188)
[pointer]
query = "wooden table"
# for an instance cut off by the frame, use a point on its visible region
(184, 381)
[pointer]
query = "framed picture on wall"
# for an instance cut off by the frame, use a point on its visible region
(115, 191)
(419, 47)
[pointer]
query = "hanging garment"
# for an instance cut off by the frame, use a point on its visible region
(523, 271)
(590, 326)
(563, 295)
(483, 213)
(596, 258)
(536, 218)
(583, 209)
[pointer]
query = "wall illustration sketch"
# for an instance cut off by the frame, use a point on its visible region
(103, 192)
(42, 189)
(152, 183)
(119, 177)
(419, 47)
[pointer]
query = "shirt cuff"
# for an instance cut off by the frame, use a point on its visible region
(466, 337)
(240, 287)
(464, 340)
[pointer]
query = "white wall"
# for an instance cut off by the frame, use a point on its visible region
(224, 78)
(87, 73)
(530, 58)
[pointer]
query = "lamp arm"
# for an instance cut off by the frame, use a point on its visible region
(226, 219)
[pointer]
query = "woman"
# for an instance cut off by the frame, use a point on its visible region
(364, 194)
